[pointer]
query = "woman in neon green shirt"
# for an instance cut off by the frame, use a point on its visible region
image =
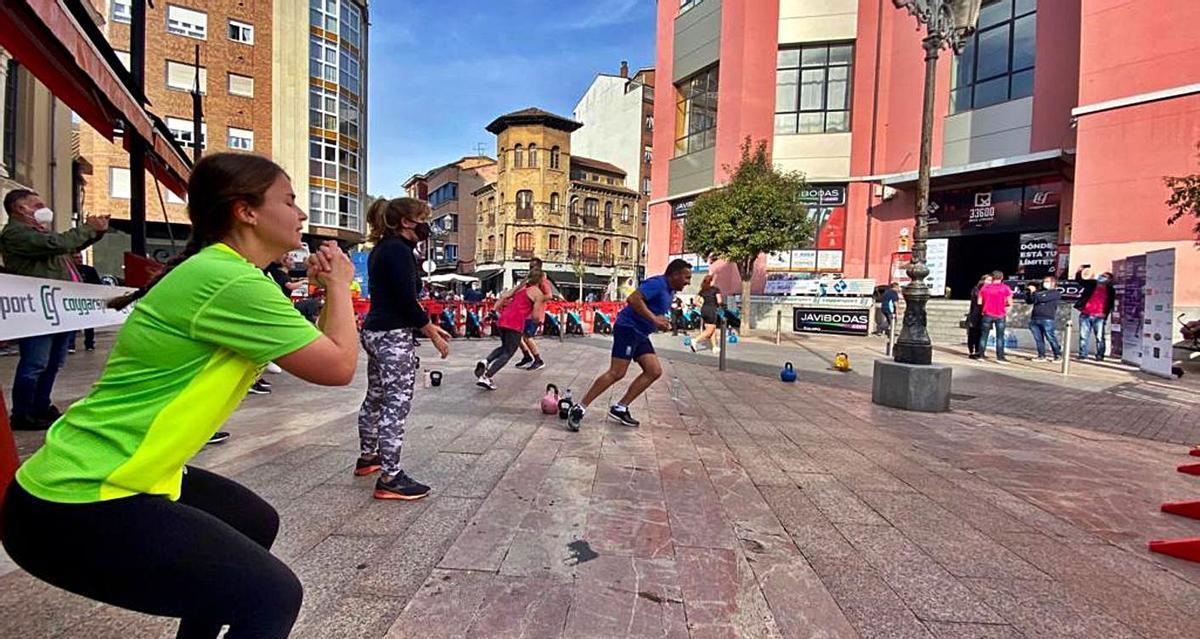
(106, 508)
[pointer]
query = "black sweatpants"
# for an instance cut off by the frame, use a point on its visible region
(510, 342)
(203, 559)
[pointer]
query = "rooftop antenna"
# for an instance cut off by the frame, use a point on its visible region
(479, 149)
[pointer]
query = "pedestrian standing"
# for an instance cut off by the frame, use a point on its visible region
(995, 298)
(644, 313)
(396, 227)
(710, 309)
(31, 248)
(1042, 316)
(975, 317)
(519, 318)
(888, 303)
(163, 538)
(1095, 304)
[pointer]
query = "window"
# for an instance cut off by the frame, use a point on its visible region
(572, 243)
(351, 24)
(524, 244)
(11, 99)
(448, 223)
(349, 71)
(348, 116)
(451, 252)
(322, 59)
(174, 199)
(555, 159)
(647, 154)
(242, 85)
(118, 183)
(624, 249)
(184, 133)
(554, 203)
(591, 246)
(182, 77)
(241, 32)
(322, 108)
(533, 156)
(625, 214)
(187, 22)
(525, 205)
(687, 5)
(646, 185)
(323, 14)
(122, 11)
(123, 56)
(997, 63)
(812, 89)
(555, 242)
(322, 159)
(649, 122)
(241, 139)
(607, 250)
(518, 157)
(608, 215)
(447, 192)
(591, 210)
(696, 112)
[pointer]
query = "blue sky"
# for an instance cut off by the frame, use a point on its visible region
(441, 70)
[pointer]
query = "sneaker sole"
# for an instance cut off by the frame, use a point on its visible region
(387, 494)
(536, 368)
(485, 386)
(620, 421)
(366, 470)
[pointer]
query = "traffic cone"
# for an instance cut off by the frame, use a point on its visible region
(1183, 508)
(1188, 549)
(1189, 469)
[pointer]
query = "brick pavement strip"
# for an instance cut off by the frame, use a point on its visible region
(742, 508)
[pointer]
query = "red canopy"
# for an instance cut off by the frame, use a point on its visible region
(75, 62)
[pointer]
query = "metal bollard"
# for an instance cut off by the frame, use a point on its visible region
(778, 326)
(721, 355)
(1066, 349)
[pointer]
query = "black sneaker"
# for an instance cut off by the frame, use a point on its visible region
(480, 367)
(259, 388)
(400, 487)
(622, 415)
(525, 361)
(575, 417)
(25, 422)
(218, 437)
(366, 465)
(51, 414)
(537, 365)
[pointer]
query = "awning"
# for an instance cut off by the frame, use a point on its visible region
(568, 280)
(452, 277)
(1003, 168)
(61, 46)
(487, 273)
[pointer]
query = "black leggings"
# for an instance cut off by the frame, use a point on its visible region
(203, 559)
(510, 342)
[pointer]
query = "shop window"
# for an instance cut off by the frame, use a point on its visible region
(812, 89)
(997, 62)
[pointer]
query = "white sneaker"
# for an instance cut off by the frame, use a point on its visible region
(273, 368)
(485, 382)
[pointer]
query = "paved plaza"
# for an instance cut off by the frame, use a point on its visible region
(742, 507)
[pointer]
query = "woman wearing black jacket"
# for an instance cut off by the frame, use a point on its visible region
(975, 318)
(396, 226)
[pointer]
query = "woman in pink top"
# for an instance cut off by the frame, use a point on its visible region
(518, 319)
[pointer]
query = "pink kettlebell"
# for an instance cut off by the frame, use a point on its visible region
(550, 400)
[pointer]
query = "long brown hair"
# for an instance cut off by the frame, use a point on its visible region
(218, 182)
(383, 218)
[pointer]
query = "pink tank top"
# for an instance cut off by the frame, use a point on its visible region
(514, 315)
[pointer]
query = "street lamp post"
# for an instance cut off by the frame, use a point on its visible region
(948, 23)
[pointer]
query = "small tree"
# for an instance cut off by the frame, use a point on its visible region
(758, 211)
(580, 270)
(1185, 198)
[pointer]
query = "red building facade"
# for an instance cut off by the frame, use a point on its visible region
(1020, 159)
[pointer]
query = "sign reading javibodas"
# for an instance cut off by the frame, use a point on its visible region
(33, 306)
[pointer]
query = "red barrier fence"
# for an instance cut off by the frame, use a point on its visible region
(458, 310)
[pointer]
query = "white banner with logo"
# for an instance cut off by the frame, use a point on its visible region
(32, 306)
(937, 252)
(1158, 328)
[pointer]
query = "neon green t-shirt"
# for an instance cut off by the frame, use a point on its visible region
(181, 364)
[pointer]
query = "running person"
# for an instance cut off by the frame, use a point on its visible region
(396, 226)
(531, 357)
(518, 319)
(709, 311)
(644, 313)
(163, 538)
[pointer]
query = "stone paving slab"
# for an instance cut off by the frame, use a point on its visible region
(741, 508)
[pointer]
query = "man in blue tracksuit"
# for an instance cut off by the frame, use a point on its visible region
(644, 314)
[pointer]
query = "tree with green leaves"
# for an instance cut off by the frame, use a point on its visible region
(758, 211)
(581, 270)
(1185, 198)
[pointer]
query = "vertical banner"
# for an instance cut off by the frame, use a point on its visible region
(1157, 337)
(936, 252)
(1132, 307)
(1039, 255)
(1115, 327)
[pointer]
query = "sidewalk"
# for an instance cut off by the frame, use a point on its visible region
(743, 507)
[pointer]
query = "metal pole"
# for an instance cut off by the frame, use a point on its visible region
(197, 113)
(721, 355)
(778, 326)
(914, 345)
(137, 148)
(1066, 348)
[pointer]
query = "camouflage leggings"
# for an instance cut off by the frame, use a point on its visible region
(391, 375)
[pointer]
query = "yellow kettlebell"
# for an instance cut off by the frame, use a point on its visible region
(841, 362)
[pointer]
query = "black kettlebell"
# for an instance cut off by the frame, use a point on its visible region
(435, 378)
(564, 405)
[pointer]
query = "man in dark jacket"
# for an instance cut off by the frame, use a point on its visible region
(1095, 304)
(1041, 317)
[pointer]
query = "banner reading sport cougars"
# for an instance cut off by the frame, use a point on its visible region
(32, 306)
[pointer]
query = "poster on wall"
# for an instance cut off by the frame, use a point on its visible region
(1116, 344)
(937, 252)
(779, 260)
(804, 260)
(1039, 254)
(836, 321)
(804, 284)
(827, 208)
(1158, 349)
(1132, 307)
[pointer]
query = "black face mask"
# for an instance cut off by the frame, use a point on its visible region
(421, 231)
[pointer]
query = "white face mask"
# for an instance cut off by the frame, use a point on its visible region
(1047, 285)
(43, 215)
